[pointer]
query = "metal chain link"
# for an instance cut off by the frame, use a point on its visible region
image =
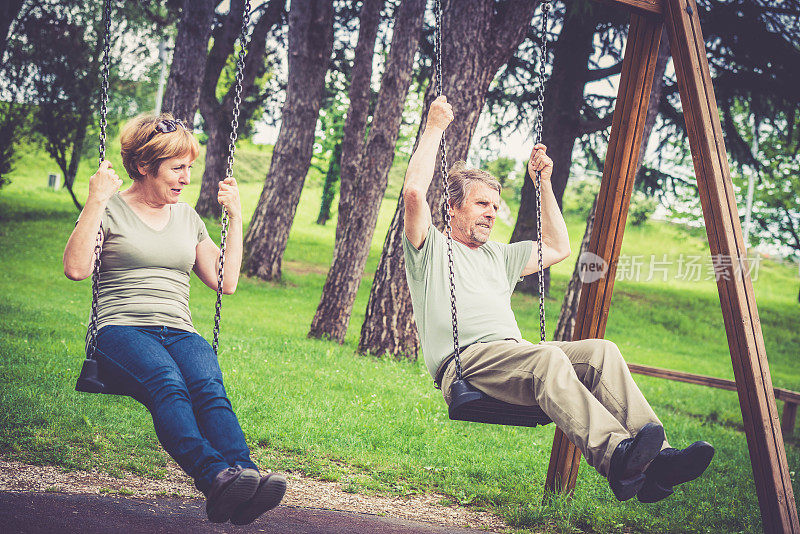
(446, 199)
(538, 139)
(98, 247)
(237, 101)
(437, 37)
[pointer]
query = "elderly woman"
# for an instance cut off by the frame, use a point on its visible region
(150, 243)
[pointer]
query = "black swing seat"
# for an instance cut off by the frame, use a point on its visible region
(471, 404)
(90, 380)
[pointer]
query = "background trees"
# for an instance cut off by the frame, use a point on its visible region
(52, 92)
(327, 105)
(365, 177)
(310, 44)
(217, 91)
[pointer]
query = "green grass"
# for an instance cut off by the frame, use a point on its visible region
(374, 424)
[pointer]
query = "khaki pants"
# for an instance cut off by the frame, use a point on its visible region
(583, 386)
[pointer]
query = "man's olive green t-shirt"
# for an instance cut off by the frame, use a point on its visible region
(144, 273)
(484, 278)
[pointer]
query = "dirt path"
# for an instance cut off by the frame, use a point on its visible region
(306, 500)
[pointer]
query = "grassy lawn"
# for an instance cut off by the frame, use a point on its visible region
(375, 424)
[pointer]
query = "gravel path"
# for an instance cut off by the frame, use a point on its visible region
(175, 499)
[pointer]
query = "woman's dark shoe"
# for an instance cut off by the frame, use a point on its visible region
(232, 487)
(672, 467)
(630, 458)
(268, 495)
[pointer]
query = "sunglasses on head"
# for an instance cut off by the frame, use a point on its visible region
(168, 126)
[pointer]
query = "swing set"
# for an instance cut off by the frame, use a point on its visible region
(742, 325)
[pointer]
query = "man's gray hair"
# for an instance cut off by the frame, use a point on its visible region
(460, 182)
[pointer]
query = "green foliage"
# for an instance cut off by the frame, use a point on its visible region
(641, 208)
(253, 99)
(329, 187)
(776, 211)
(579, 197)
(501, 168)
(53, 65)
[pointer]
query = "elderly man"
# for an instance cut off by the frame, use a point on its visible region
(583, 386)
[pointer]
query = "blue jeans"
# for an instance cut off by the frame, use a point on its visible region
(177, 377)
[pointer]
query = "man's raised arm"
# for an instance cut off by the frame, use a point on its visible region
(417, 214)
(555, 239)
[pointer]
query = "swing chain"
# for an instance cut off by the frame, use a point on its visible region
(538, 183)
(237, 100)
(104, 74)
(98, 247)
(437, 38)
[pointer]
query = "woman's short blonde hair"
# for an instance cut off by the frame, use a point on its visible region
(460, 180)
(143, 146)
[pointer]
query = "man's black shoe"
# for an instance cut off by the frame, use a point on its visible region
(672, 467)
(630, 458)
(232, 488)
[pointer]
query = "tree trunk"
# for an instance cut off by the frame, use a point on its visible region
(655, 94)
(369, 183)
(189, 59)
(218, 114)
(216, 160)
(329, 187)
(569, 307)
(358, 111)
(561, 123)
(479, 37)
(310, 45)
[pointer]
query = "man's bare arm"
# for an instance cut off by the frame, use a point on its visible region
(555, 239)
(417, 214)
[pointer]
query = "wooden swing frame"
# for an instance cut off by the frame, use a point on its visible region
(742, 325)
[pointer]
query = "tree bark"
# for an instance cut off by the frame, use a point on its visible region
(188, 59)
(569, 307)
(358, 111)
(356, 227)
(561, 123)
(329, 187)
(655, 95)
(479, 36)
(218, 114)
(310, 45)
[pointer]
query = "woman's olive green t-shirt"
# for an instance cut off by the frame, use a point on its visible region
(144, 273)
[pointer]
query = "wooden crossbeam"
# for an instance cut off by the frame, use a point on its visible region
(790, 398)
(642, 7)
(633, 95)
(737, 299)
(782, 394)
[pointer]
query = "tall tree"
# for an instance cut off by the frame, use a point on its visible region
(358, 111)
(479, 36)
(62, 80)
(217, 113)
(9, 9)
(566, 116)
(365, 189)
(569, 306)
(189, 59)
(310, 44)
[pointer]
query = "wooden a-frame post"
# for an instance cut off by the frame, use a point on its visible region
(742, 325)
